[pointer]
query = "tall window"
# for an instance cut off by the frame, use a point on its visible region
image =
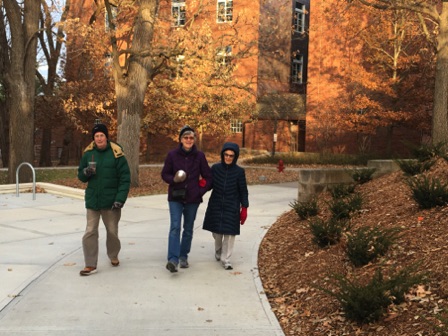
(297, 69)
(178, 10)
(108, 60)
(236, 126)
(299, 17)
(224, 57)
(224, 11)
(180, 63)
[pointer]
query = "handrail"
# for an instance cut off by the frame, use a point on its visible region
(34, 179)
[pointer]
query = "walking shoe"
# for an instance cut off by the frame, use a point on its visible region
(184, 263)
(227, 266)
(115, 262)
(87, 271)
(172, 267)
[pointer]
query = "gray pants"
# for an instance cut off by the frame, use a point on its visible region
(90, 239)
(224, 244)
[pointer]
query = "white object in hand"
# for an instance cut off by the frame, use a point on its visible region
(180, 176)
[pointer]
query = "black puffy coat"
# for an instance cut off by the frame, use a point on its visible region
(229, 194)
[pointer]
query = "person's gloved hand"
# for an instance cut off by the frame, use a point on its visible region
(243, 215)
(89, 171)
(202, 183)
(117, 205)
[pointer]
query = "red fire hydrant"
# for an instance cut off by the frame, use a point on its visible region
(280, 166)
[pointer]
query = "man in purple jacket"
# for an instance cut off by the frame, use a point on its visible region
(189, 177)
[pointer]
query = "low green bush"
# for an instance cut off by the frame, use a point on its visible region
(399, 284)
(328, 232)
(344, 207)
(366, 243)
(414, 167)
(363, 175)
(365, 303)
(428, 192)
(341, 190)
(305, 209)
(427, 152)
(362, 303)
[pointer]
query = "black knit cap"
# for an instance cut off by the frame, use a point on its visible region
(184, 129)
(100, 128)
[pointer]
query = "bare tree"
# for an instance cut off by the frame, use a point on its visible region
(434, 20)
(51, 40)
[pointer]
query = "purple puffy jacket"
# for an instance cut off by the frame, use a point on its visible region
(195, 165)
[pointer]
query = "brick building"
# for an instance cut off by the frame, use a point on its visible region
(296, 51)
(279, 67)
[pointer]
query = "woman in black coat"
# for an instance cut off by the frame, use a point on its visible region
(227, 207)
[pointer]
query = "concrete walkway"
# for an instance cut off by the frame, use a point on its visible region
(41, 292)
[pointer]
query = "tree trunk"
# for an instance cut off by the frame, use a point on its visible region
(440, 113)
(45, 149)
(148, 146)
(20, 78)
(65, 155)
(21, 136)
(131, 86)
(4, 134)
(130, 108)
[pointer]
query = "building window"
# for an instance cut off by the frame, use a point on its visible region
(108, 63)
(225, 11)
(299, 17)
(224, 64)
(236, 126)
(297, 69)
(180, 64)
(178, 10)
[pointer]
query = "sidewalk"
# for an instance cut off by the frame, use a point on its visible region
(41, 292)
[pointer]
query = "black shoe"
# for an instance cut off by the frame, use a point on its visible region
(172, 267)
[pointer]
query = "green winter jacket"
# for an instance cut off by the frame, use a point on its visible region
(112, 179)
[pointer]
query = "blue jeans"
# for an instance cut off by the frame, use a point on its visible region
(179, 248)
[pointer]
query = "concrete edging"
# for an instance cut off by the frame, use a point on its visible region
(51, 188)
(313, 181)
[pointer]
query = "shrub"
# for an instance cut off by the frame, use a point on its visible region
(366, 244)
(363, 175)
(427, 152)
(327, 232)
(362, 303)
(439, 325)
(305, 209)
(366, 303)
(341, 190)
(343, 207)
(428, 192)
(403, 281)
(414, 167)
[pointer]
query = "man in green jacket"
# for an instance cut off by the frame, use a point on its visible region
(105, 169)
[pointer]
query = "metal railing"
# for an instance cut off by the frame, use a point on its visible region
(34, 178)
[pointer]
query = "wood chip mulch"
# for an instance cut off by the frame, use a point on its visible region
(293, 269)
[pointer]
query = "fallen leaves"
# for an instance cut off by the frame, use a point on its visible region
(302, 309)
